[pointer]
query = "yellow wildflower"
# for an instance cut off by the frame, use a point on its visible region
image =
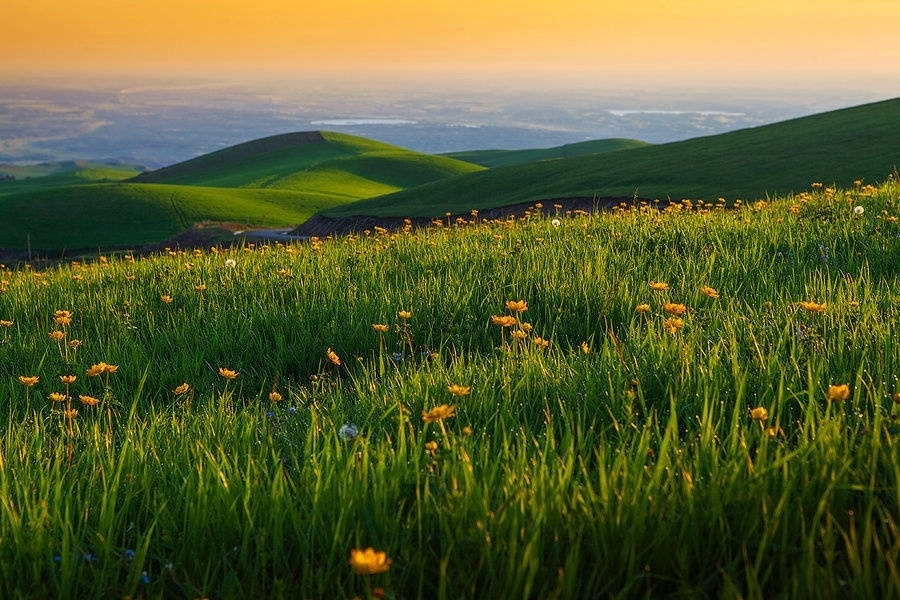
(541, 342)
(274, 396)
(518, 334)
(708, 291)
(71, 413)
(6, 324)
(673, 325)
(166, 299)
(503, 321)
(333, 357)
(759, 413)
(585, 349)
(201, 287)
(438, 413)
(56, 397)
(57, 335)
(674, 309)
(380, 328)
(813, 307)
(517, 305)
(369, 561)
(659, 286)
(181, 389)
(29, 380)
(97, 369)
(75, 343)
(111, 368)
(404, 314)
(458, 390)
(88, 400)
(67, 379)
(431, 447)
(838, 393)
(227, 373)
(642, 309)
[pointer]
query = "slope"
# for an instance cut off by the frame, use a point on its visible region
(834, 147)
(504, 158)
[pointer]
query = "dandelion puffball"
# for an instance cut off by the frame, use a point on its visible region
(858, 210)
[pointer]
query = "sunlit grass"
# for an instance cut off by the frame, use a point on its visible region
(631, 404)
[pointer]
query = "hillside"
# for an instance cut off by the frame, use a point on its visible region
(277, 181)
(834, 147)
(504, 158)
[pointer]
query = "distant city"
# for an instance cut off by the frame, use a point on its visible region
(156, 123)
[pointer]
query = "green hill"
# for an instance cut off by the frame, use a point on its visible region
(834, 147)
(504, 158)
(15, 179)
(277, 181)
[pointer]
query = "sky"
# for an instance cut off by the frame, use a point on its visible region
(677, 40)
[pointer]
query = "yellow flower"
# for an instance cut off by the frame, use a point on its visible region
(585, 349)
(404, 314)
(71, 413)
(518, 334)
(673, 325)
(659, 286)
(227, 373)
(896, 396)
(541, 342)
(438, 413)
(57, 335)
(181, 389)
(56, 397)
(504, 321)
(369, 561)
(838, 393)
(517, 305)
(166, 299)
(62, 314)
(431, 447)
(759, 413)
(29, 380)
(201, 287)
(111, 368)
(333, 357)
(708, 291)
(89, 400)
(642, 309)
(62, 320)
(467, 430)
(813, 307)
(67, 379)
(379, 327)
(6, 324)
(97, 369)
(75, 343)
(458, 390)
(674, 309)
(274, 396)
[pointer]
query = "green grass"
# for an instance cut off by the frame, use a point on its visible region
(505, 158)
(131, 215)
(631, 470)
(47, 175)
(834, 148)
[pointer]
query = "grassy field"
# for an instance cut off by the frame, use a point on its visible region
(505, 158)
(621, 405)
(835, 148)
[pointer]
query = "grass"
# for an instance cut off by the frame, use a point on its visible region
(505, 158)
(619, 460)
(837, 147)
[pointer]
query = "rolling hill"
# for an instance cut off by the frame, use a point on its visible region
(277, 181)
(505, 158)
(834, 147)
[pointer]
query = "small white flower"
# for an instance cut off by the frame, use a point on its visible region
(230, 263)
(348, 431)
(858, 210)
(555, 222)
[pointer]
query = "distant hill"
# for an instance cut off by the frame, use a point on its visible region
(834, 147)
(277, 181)
(504, 158)
(19, 178)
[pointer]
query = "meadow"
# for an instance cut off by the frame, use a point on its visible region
(700, 402)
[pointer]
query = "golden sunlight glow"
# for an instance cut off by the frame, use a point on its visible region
(285, 36)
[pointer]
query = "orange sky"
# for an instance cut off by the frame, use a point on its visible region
(677, 38)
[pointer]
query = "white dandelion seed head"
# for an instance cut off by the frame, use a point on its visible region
(555, 222)
(348, 431)
(230, 263)
(858, 210)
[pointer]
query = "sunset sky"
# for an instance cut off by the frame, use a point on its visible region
(675, 38)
